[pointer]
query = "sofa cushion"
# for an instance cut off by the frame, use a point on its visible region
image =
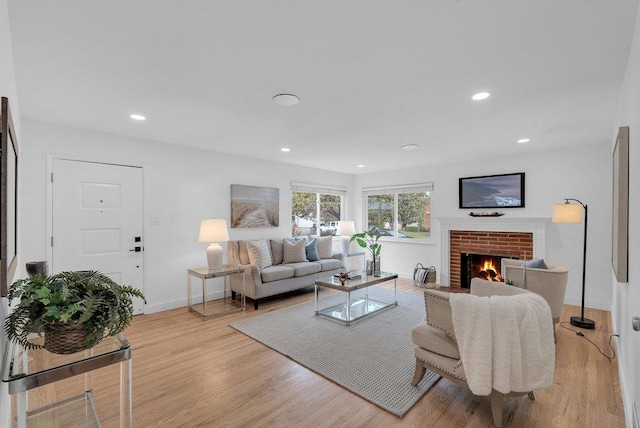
(325, 247)
(311, 250)
(243, 253)
(276, 251)
(304, 268)
(434, 340)
(259, 254)
(293, 253)
(274, 273)
(329, 264)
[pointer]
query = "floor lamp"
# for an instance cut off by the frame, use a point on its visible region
(572, 213)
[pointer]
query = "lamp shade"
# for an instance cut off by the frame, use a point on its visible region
(213, 230)
(346, 228)
(567, 213)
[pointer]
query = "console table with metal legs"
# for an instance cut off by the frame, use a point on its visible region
(26, 369)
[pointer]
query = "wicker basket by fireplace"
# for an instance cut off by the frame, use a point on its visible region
(66, 338)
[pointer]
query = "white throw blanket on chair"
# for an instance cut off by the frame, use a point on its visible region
(506, 342)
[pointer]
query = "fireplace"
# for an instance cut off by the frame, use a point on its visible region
(523, 236)
(514, 245)
(485, 266)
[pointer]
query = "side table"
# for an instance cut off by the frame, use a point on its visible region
(204, 273)
(25, 369)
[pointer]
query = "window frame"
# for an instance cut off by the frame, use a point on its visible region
(396, 191)
(320, 190)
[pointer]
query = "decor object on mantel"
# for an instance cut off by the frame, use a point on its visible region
(346, 228)
(214, 230)
(485, 214)
(572, 213)
(369, 239)
(74, 310)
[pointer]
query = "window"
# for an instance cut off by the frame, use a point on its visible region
(402, 211)
(315, 210)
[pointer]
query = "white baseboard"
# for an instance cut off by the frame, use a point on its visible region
(181, 303)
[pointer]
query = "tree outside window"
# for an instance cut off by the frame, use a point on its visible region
(403, 214)
(315, 213)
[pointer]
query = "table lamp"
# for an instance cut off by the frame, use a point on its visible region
(346, 228)
(572, 213)
(214, 230)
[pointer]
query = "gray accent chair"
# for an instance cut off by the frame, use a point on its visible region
(549, 283)
(436, 346)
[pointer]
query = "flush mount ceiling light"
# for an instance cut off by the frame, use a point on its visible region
(286, 99)
(137, 117)
(361, 166)
(285, 149)
(481, 96)
(523, 140)
(410, 147)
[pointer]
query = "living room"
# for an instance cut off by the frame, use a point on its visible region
(183, 185)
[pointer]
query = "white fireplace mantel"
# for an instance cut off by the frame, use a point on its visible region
(537, 226)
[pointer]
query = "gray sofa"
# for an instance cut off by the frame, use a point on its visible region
(278, 277)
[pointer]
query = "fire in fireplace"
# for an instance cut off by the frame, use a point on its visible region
(485, 266)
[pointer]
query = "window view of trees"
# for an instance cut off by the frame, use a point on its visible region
(403, 215)
(315, 213)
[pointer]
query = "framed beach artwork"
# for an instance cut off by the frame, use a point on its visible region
(253, 206)
(620, 217)
(8, 199)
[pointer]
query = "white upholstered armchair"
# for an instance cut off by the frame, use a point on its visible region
(470, 340)
(550, 283)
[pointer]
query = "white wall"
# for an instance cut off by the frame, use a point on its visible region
(182, 187)
(626, 297)
(7, 89)
(582, 173)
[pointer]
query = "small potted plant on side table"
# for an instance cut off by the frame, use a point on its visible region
(74, 310)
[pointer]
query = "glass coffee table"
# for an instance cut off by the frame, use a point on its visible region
(354, 308)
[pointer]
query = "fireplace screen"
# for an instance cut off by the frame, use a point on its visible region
(485, 266)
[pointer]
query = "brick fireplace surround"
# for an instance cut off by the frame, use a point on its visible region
(524, 237)
(518, 244)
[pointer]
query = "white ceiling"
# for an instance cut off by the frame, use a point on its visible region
(371, 75)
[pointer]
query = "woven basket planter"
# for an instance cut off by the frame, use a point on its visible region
(65, 338)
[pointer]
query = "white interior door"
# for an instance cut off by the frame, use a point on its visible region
(97, 220)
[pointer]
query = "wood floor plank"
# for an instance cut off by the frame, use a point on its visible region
(189, 373)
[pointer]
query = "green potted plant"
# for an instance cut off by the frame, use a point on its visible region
(74, 310)
(369, 239)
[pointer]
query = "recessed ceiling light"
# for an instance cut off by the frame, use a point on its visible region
(285, 149)
(523, 140)
(361, 166)
(137, 117)
(481, 96)
(286, 99)
(410, 147)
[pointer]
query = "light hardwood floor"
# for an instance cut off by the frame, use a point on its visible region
(193, 373)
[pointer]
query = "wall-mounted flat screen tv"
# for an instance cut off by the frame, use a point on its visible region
(492, 191)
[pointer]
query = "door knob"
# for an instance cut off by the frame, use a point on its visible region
(635, 323)
(137, 249)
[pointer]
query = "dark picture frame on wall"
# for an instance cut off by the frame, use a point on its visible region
(492, 191)
(8, 198)
(620, 217)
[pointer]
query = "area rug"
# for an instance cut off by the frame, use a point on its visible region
(373, 357)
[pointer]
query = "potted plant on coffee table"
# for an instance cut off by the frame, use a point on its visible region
(74, 310)
(369, 239)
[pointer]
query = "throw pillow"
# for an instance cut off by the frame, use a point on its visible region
(311, 251)
(259, 254)
(276, 251)
(325, 247)
(536, 264)
(293, 253)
